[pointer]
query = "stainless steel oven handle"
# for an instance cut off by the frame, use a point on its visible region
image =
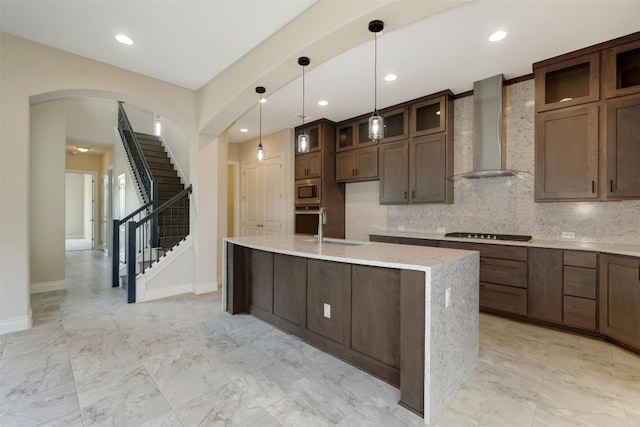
(307, 212)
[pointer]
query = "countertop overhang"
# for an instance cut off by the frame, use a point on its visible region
(368, 253)
(616, 249)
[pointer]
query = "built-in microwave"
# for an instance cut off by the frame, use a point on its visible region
(308, 192)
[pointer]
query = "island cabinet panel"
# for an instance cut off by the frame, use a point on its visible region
(328, 284)
(545, 296)
(236, 295)
(289, 290)
(260, 279)
(375, 314)
(619, 292)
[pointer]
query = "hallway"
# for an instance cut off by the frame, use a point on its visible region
(91, 359)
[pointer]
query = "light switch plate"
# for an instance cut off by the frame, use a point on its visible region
(327, 311)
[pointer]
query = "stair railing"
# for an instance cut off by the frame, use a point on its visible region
(116, 259)
(144, 248)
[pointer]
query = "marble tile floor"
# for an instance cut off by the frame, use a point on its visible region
(91, 359)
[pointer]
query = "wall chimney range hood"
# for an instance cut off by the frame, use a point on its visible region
(489, 151)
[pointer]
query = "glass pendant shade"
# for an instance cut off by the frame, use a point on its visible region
(260, 152)
(376, 126)
(303, 142)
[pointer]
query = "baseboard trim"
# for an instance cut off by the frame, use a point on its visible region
(203, 288)
(38, 288)
(16, 324)
(150, 295)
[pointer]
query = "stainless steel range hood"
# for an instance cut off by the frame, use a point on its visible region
(489, 152)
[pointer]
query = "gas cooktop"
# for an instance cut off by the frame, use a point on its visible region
(489, 236)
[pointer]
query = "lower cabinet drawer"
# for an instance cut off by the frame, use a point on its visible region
(580, 312)
(503, 298)
(503, 272)
(580, 282)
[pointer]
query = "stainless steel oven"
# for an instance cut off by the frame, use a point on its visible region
(308, 192)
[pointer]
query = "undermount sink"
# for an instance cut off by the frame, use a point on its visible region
(333, 241)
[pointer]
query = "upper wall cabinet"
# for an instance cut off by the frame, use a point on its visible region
(588, 145)
(396, 124)
(429, 116)
(623, 69)
(566, 83)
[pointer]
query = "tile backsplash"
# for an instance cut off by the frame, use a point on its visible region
(505, 204)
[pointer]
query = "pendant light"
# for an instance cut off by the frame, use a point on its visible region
(303, 138)
(376, 122)
(260, 90)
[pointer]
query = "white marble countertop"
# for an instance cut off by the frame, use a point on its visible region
(366, 253)
(630, 250)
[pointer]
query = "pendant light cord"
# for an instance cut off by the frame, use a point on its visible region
(260, 102)
(303, 95)
(375, 75)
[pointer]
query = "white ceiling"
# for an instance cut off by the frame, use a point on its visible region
(190, 42)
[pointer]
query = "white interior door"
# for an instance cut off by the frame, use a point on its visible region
(107, 220)
(263, 187)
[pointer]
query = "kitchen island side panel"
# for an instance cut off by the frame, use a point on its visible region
(451, 333)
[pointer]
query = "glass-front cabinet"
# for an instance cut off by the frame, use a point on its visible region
(623, 69)
(428, 117)
(314, 137)
(396, 124)
(571, 82)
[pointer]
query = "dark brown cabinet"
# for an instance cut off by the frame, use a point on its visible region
(545, 284)
(357, 165)
(622, 69)
(430, 159)
(588, 123)
(260, 274)
(623, 147)
(566, 151)
(429, 116)
(314, 130)
(353, 134)
(328, 299)
(309, 165)
(320, 163)
(619, 294)
(396, 124)
(503, 275)
(562, 287)
(289, 298)
(394, 176)
(570, 82)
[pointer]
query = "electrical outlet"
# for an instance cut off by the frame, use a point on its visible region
(441, 230)
(401, 228)
(327, 311)
(568, 235)
(447, 297)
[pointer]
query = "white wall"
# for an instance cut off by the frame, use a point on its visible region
(74, 206)
(32, 73)
(91, 120)
(177, 144)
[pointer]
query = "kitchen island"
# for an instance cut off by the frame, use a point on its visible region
(405, 314)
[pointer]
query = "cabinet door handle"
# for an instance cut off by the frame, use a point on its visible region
(353, 172)
(405, 195)
(413, 194)
(611, 186)
(593, 186)
(356, 172)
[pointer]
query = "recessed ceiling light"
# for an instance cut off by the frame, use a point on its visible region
(124, 39)
(390, 77)
(323, 103)
(244, 130)
(263, 100)
(497, 36)
(82, 149)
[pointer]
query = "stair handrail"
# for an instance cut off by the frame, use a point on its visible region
(138, 235)
(141, 169)
(115, 247)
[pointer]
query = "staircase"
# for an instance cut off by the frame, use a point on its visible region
(173, 224)
(162, 222)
